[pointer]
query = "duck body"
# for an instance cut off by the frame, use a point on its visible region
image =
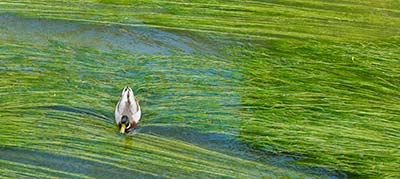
(127, 111)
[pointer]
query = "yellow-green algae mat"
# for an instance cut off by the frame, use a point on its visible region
(234, 89)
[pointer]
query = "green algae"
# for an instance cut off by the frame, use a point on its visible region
(316, 80)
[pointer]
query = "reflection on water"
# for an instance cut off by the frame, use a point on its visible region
(139, 40)
(61, 80)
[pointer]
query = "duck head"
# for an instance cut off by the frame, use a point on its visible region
(123, 124)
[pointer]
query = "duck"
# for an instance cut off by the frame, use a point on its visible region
(127, 111)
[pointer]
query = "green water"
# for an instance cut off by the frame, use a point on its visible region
(276, 89)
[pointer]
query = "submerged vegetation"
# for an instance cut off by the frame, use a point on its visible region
(318, 81)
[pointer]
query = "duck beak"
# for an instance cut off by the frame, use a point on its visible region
(123, 127)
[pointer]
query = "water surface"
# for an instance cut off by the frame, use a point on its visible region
(62, 79)
(229, 89)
